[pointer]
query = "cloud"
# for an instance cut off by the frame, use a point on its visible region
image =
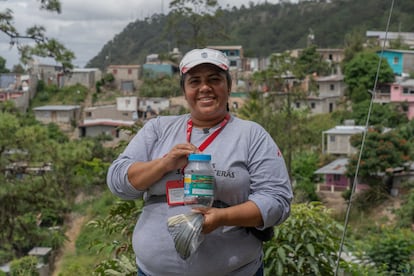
(84, 26)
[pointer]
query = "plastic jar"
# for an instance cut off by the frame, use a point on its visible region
(199, 180)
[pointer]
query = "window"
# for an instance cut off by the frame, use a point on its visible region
(313, 105)
(114, 71)
(396, 60)
(129, 71)
(297, 104)
(408, 90)
(332, 138)
(233, 63)
(332, 86)
(88, 114)
(336, 177)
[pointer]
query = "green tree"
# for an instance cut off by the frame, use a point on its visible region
(388, 115)
(360, 75)
(41, 172)
(311, 62)
(28, 201)
(304, 165)
(44, 46)
(383, 151)
(354, 44)
(3, 68)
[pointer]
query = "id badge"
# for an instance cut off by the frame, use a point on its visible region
(175, 192)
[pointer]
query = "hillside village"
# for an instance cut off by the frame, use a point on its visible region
(91, 119)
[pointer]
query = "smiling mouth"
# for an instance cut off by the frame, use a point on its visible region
(206, 99)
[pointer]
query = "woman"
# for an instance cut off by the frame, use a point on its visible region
(250, 176)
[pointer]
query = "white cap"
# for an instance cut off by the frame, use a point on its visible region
(198, 56)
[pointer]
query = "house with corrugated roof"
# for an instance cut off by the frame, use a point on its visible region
(66, 116)
(336, 141)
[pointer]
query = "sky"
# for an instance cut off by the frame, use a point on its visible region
(84, 26)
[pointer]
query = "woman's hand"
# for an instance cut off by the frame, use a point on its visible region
(212, 218)
(246, 214)
(143, 174)
(176, 158)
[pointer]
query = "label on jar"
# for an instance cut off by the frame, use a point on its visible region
(198, 185)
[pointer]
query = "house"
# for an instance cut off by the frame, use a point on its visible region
(330, 90)
(108, 119)
(154, 70)
(18, 89)
(403, 92)
(400, 61)
(44, 257)
(49, 74)
(86, 77)
(386, 37)
(112, 128)
(234, 54)
(55, 75)
(126, 76)
(155, 67)
(63, 115)
(382, 93)
(401, 176)
(336, 141)
(149, 107)
(330, 55)
(335, 179)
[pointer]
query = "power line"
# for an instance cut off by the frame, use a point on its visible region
(354, 184)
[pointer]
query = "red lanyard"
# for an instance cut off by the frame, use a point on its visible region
(211, 137)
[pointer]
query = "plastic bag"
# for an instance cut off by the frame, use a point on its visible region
(186, 232)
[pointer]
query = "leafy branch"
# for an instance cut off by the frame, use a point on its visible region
(43, 47)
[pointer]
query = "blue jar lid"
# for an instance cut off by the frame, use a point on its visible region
(199, 157)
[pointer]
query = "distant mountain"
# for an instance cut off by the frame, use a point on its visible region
(265, 28)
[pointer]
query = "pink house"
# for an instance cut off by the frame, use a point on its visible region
(335, 179)
(403, 92)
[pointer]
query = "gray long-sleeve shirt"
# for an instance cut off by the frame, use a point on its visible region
(248, 166)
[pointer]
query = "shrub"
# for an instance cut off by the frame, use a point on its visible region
(305, 244)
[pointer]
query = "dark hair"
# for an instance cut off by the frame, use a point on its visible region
(228, 77)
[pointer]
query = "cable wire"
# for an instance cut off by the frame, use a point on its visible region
(354, 184)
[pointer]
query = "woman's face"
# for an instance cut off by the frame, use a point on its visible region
(206, 91)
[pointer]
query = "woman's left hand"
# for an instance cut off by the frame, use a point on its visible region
(213, 218)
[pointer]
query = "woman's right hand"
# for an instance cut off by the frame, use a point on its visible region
(177, 157)
(143, 174)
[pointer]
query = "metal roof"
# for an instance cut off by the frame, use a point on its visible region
(336, 167)
(56, 107)
(345, 130)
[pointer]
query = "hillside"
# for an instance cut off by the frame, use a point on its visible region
(262, 28)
